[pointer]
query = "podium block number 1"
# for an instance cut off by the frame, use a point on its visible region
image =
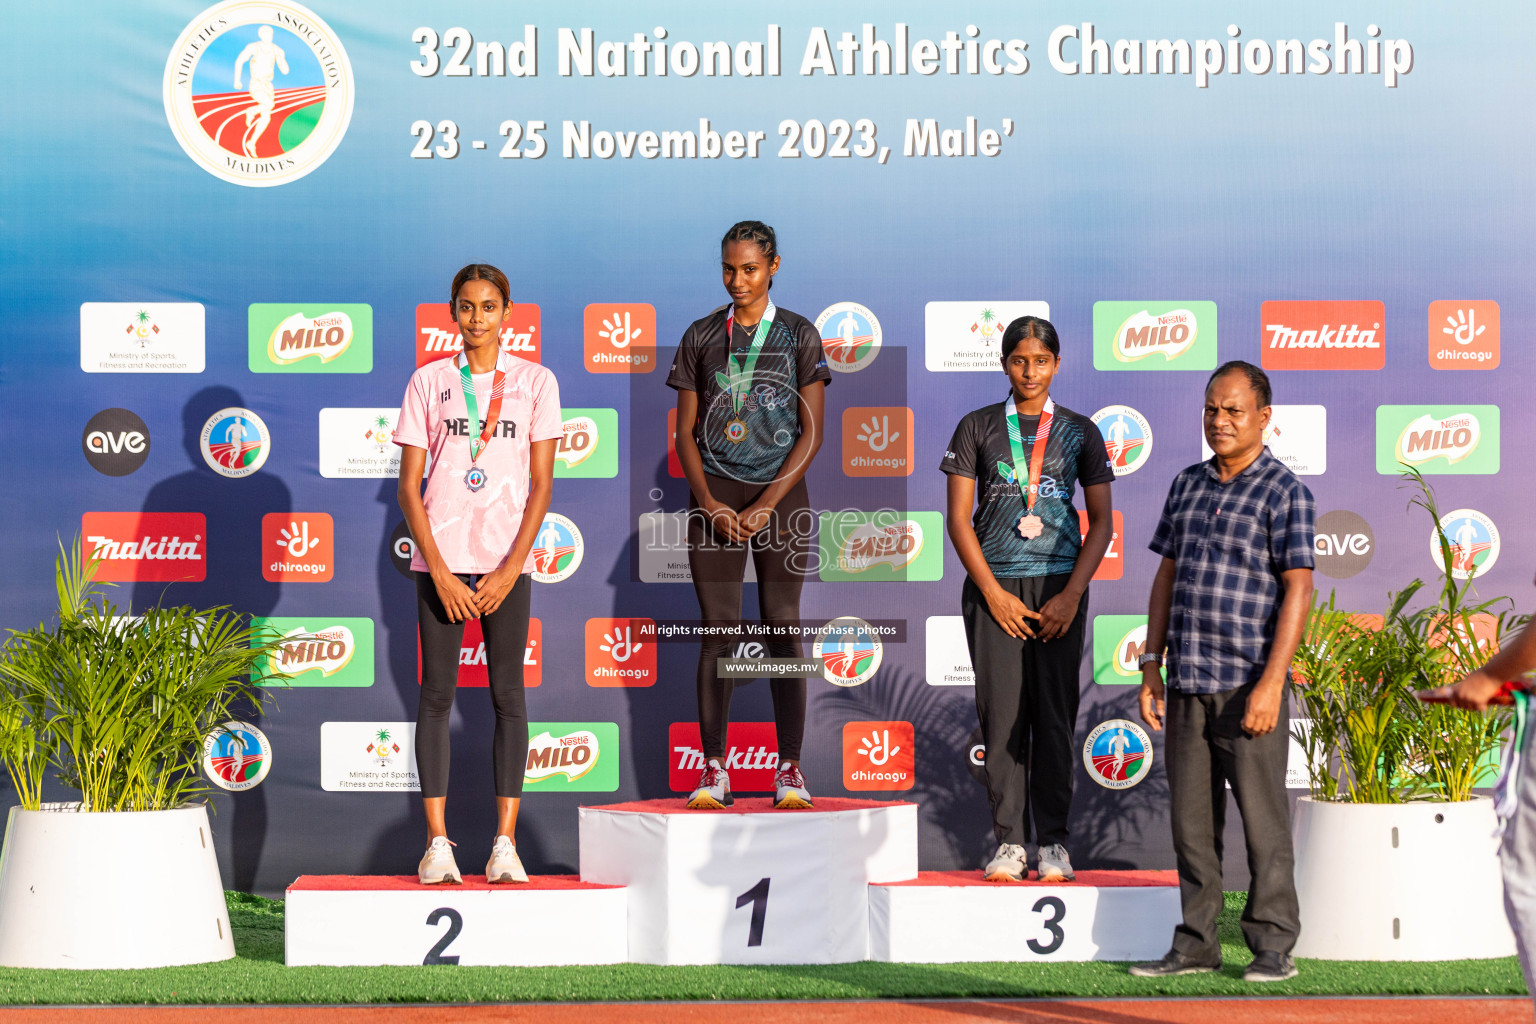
(455, 925)
(758, 897)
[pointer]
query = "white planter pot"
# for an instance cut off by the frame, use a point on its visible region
(106, 890)
(1416, 881)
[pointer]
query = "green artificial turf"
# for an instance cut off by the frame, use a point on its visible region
(257, 975)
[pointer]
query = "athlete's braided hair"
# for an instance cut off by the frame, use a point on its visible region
(481, 272)
(756, 232)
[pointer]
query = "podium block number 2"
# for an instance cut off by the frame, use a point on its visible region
(758, 897)
(455, 925)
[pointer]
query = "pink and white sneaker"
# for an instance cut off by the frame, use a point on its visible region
(789, 792)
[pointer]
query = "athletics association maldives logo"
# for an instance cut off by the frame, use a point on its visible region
(235, 442)
(1118, 754)
(849, 651)
(258, 93)
(557, 549)
(1474, 543)
(1127, 437)
(850, 335)
(236, 756)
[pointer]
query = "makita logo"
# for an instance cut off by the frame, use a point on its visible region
(436, 341)
(1452, 438)
(1306, 335)
(476, 655)
(159, 546)
(145, 548)
(1326, 336)
(691, 759)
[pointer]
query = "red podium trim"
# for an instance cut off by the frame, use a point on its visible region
(1085, 880)
(408, 883)
(747, 805)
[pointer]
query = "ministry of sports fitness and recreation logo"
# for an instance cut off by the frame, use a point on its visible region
(142, 337)
(1474, 543)
(359, 443)
(1154, 335)
(850, 335)
(1127, 437)
(1437, 438)
(258, 93)
(236, 756)
(967, 336)
(1118, 754)
(115, 442)
(235, 442)
(849, 651)
(557, 549)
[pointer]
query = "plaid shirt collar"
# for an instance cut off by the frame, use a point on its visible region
(1258, 465)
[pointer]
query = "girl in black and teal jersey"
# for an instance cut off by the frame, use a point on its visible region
(1025, 598)
(750, 381)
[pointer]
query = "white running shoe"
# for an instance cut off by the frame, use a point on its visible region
(1055, 865)
(713, 793)
(437, 865)
(504, 865)
(789, 792)
(1007, 865)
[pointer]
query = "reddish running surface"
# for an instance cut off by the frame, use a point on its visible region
(1115, 1011)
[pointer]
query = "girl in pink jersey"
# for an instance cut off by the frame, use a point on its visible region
(490, 422)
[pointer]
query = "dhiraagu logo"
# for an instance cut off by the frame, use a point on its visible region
(1118, 642)
(1437, 438)
(317, 651)
(590, 444)
(882, 546)
(1154, 335)
(321, 337)
(572, 757)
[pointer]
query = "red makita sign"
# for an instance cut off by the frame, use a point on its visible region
(151, 546)
(751, 756)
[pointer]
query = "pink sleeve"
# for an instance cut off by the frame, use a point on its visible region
(412, 430)
(547, 419)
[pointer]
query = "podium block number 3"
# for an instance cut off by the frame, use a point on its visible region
(455, 925)
(758, 897)
(1058, 911)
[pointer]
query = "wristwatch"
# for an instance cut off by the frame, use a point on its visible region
(1149, 659)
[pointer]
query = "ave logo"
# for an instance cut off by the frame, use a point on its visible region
(621, 652)
(880, 756)
(877, 441)
(115, 442)
(1343, 544)
(297, 546)
(438, 337)
(619, 337)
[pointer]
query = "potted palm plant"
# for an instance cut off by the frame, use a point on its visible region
(1395, 855)
(118, 707)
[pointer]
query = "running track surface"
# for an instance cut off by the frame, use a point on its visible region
(1296, 1010)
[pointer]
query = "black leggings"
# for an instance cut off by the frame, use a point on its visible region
(506, 644)
(781, 553)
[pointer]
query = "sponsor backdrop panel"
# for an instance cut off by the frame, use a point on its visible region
(225, 313)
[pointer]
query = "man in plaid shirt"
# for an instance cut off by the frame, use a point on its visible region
(1229, 605)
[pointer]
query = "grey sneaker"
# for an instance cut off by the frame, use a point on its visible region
(1055, 865)
(1007, 865)
(1174, 964)
(1270, 966)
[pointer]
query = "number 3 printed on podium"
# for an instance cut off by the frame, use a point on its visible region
(1052, 924)
(758, 897)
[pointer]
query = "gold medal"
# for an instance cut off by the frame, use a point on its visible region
(736, 431)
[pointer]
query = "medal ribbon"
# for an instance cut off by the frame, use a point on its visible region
(739, 383)
(492, 415)
(1029, 483)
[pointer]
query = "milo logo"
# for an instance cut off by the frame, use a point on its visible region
(573, 757)
(1170, 334)
(1437, 439)
(297, 337)
(290, 337)
(1127, 335)
(869, 545)
(1452, 438)
(328, 652)
(578, 441)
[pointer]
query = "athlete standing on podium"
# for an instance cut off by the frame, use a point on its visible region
(1025, 598)
(750, 381)
(490, 422)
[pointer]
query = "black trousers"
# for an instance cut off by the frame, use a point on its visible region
(506, 644)
(1026, 696)
(781, 554)
(1207, 747)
